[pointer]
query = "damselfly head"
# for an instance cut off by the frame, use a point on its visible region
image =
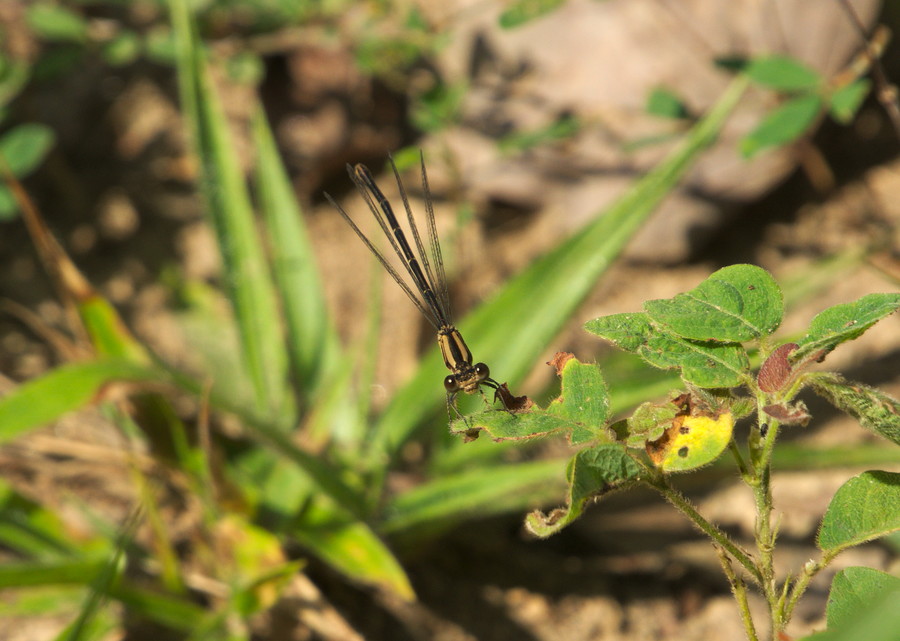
(467, 379)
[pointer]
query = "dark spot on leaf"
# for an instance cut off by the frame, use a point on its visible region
(751, 287)
(683, 452)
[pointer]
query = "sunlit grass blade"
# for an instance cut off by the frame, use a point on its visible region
(452, 499)
(65, 389)
(31, 530)
(331, 532)
(313, 342)
(352, 548)
(47, 572)
(228, 205)
(515, 326)
(85, 624)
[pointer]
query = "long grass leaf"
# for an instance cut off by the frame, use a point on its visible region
(352, 548)
(480, 492)
(314, 346)
(513, 328)
(63, 390)
(229, 208)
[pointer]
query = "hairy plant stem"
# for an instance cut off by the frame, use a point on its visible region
(739, 589)
(681, 502)
(765, 534)
(810, 570)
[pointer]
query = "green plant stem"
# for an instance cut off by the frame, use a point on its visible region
(739, 459)
(760, 483)
(681, 502)
(810, 570)
(739, 589)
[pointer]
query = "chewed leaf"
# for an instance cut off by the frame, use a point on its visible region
(627, 331)
(584, 400)
(735, 304)
(648, 422)
(505, 426)
(866, 507)
(692, 442)
(845, 322)
(591, 472)
(703, 364)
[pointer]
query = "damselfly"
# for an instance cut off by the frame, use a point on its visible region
(427, 274)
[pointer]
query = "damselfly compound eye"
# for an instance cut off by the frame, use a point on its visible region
(482, 371)
(451, 384)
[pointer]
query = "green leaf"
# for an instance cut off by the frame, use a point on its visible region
(54, 22)
(782, 125)
(704, 364)
(438, 107)
(584, 401)
(782, 73)
(8, 205)
(500, 425)
(64, 389)
(648, 422)
(629, 330)
(519, 12)
(842, 323)
(666, 104)
(14, 75)
(245, 68)
(160, 45)
(565, 127)
(592, 472)
(735, 304)
(878, 620)
(123, 49)
(864, 508)
(844, 103)
(853, 589)
(875, 410)
(25, 147)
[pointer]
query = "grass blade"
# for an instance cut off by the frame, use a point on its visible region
(247, 276)
(313, 342)
(563, 278)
